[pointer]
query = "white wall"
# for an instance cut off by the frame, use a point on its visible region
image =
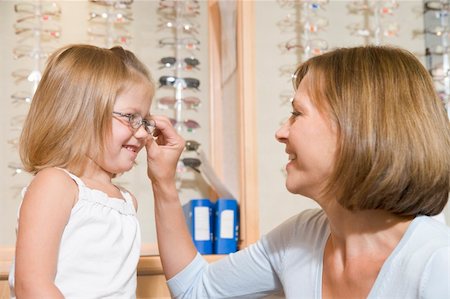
(276, 204)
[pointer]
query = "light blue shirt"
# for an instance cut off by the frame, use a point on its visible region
(290, 257)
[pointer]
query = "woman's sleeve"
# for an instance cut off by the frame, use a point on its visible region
(245, 274)
(436, 277)
(253, 272)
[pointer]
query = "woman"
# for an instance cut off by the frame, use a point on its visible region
(368, 140)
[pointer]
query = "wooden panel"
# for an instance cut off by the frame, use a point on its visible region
(152, 286)
(4, 289)
(247, 125)
(149, 286)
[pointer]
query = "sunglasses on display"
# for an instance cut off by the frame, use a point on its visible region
(179, 82)
(192, 163)
(436, 5)
(189, 102)
(191, 145)
(187, 63)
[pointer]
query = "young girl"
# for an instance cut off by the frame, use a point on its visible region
(78, 235)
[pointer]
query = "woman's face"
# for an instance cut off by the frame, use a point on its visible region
(310, 138)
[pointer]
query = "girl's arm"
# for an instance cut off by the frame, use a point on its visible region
(175, 245)
(43, 215)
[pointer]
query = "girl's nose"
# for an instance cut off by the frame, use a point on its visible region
(141, 132)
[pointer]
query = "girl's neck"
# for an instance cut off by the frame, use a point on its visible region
(94, 172)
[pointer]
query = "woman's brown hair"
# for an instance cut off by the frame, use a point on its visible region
(394, 135)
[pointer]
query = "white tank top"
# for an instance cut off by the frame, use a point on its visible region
(100, 247)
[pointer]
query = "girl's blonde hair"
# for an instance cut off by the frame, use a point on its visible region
(393, 132)
(71, 113)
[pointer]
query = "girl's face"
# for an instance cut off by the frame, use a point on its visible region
(311, 141)
(125, 142)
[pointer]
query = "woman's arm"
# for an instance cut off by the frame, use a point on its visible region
(43, 215)
(175, 245)
(247, 274)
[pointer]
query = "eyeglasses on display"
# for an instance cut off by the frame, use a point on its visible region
(21, 97)
(43, 30)
(313, 5)
(41, 17)
(38, 7)
(310, 24)
(28, 75)
(115, 17)
(187, 27)
(189, 102)
(189, 43)
(313, 46)
(120, 4)
(189, 124)
(31, 52)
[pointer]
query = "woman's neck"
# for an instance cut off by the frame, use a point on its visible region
(364, 232)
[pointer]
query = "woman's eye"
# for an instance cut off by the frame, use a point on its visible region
(295, 114)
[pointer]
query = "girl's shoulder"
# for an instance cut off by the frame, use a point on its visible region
(53, 183)
(128, 196)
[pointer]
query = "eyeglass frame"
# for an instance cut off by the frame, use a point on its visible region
(148, 123)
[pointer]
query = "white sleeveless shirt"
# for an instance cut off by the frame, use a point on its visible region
(99, 249)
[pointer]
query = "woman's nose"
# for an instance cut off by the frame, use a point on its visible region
(282, 133)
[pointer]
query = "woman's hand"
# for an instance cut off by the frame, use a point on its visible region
(163, 151)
